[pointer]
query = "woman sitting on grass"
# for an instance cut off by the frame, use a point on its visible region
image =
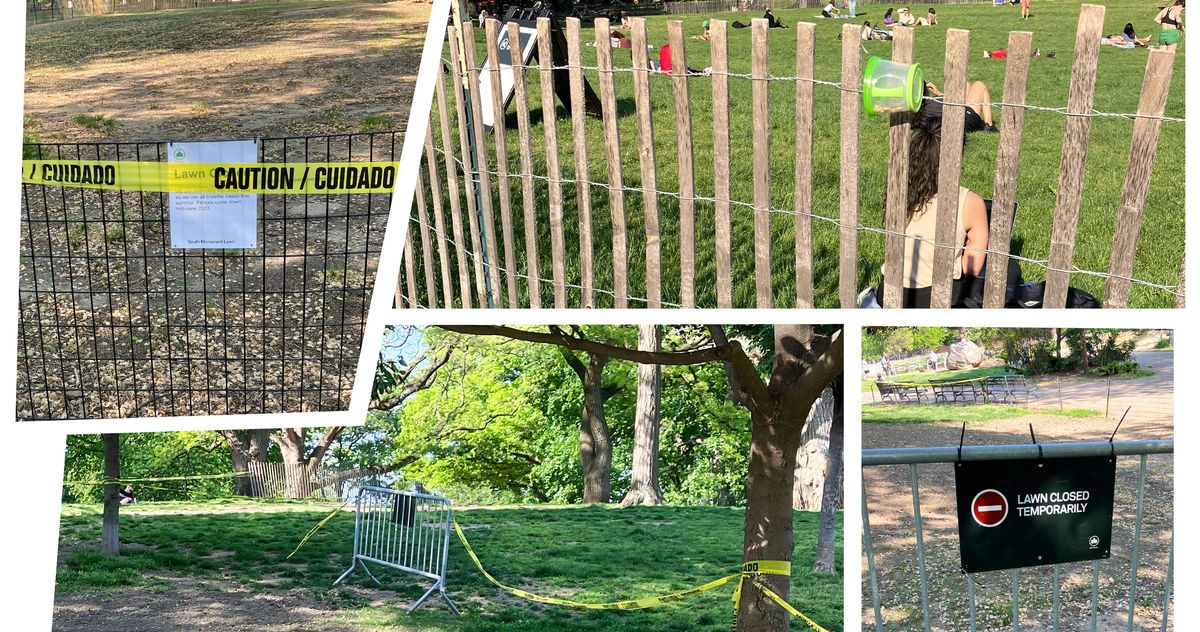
(888, 20)
(1127, 38)
(705, 36)
(971, 232)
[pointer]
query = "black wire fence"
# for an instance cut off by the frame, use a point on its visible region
(114, 322)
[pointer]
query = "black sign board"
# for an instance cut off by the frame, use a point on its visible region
(1017, 513)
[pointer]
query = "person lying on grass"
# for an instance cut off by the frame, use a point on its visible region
(979, 106)
(971, 225)
(1127, 38)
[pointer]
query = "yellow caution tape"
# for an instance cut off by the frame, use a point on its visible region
(233, 178)
(126, 481)
(750, 570)
(313, 531)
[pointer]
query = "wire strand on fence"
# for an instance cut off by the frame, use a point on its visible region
(1173, 290)
(1062, 110)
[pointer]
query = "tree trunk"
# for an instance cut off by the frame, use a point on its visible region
(246, 446)
(595, 444)
(297, 474)
(644, 488)
(825, 560)
(110, 538)
(1083, 346)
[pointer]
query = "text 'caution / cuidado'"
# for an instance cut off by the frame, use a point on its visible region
(269, 178)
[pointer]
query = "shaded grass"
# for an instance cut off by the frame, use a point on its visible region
(970, 413)
(1119, 72)
(587, 553)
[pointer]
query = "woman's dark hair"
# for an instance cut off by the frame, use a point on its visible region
(924, 155)
(888, 14)
(932, 11)
(1129, 30)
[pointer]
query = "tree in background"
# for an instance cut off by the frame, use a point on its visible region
(110, 530)
(644, 488)
(831, 492)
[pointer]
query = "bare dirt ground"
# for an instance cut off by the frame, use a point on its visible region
(184, 603)
(891, 515)
(265, 70)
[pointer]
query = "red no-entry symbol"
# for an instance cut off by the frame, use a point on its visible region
(989, 508)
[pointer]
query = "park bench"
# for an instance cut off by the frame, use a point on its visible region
(893, 393)
(1009, 388)
(954, 390)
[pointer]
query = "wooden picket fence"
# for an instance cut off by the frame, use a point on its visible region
(444, 269)
(273, 480)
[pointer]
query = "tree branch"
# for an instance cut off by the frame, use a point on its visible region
(562, 339)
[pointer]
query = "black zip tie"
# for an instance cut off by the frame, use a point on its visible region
(961, 436)
(1111, 447)
(1035, 441)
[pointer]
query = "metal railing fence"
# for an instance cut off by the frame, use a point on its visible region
(406, 531)
(912, 457)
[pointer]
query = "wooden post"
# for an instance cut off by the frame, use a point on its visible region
(468, 178)
(612, 149)
(1074, 155)
(410, 271)
(683, 151)
(426, 251)
(1155, 85)
(848, 196)
(896, 219)
(1008, 159)
(583, 190)
(761, 113)
(499, 134)
(645, 126)
(950, 168)
(1180, 302)
(489, 244)
(720, 118)
(110, 531)
(439, 227)
(528, 202)
(460, 250)
(805, 56)
(553, 173)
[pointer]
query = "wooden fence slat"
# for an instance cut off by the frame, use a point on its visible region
(464, 144)
(1008, 159)
(805, 58)
(528, 201)
(553, 173)
(435, 191)
(410, 272)
(612, 149)
(1074, 155)
(426, 246)
(499, 135)
(484, 182)
(1144, 148)
(896, 214)
(851, 111)
(645, 126)
(950, 168)
(683, 152)
(583, 190)
(460, 250)
(761, 113)
(717, 32)
(1180, 302)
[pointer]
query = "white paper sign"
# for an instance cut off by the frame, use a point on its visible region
(213, 220)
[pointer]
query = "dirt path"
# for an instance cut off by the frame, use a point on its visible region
(294, 68)
(183, 603)
(890, 502)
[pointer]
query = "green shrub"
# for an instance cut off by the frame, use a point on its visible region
(1163, 343)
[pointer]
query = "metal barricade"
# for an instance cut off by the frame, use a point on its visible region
(912, 457)
(407, 531)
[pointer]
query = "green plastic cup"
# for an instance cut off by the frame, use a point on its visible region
(889, 86)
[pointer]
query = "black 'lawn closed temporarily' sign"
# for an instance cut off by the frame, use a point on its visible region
(1019, 512)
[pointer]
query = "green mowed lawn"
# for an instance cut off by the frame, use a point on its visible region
(969, 413)
(586, 553)
(1053, 24)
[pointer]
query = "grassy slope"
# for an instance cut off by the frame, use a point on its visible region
(929, 413)
(1120, 73)
(584, 553)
